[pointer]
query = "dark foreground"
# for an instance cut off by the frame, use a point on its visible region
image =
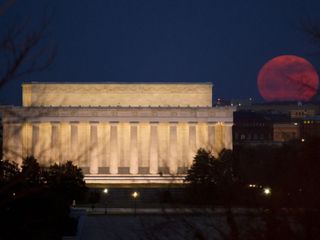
(239, 223)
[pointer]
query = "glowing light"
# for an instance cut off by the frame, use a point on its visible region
(135, 194)
(267, 191)
(105, 190)
(303, 140)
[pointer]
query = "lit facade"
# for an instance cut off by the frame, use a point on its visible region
(117, 133)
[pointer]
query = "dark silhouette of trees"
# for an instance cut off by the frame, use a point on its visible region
(211, 180)
(32, 173)
(8, 170)
(202, 177)
(66, 180)
(35, 201)
(298, 173)
(292, 173)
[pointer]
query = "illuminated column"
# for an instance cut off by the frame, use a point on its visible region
(114, 153)
(227, 129)
(218, 138)
(45, 142)
(35, 140)
(12, 145)
(65, 142)
(93, 147)
(17, 142)
(154, 164)
(74, 142)
(173, 156)
(134, 167)
(26, 139)
(55, 143)
(211, 136)
(6, 139)
(192, 141)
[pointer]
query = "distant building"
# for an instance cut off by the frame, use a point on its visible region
(295, 110)
(310, 127)
(300, 113)
(251, 127)
(283, 132)
(263, 128)
(275, 123)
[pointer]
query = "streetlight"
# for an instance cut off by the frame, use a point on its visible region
(105, 191)
(135, 195)
(267, 191)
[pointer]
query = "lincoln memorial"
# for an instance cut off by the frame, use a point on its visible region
(117, 132)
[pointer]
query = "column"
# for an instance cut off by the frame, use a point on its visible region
(45, 142)
(192, 142)
(93, 147)
(74, 142)
(134, 164)
(211, 136)
(5, 139)
(55, 143)
(12, 147)
(17, 142)
(227, 129)
(154, 163)
(173, 156)
(218, 138)
(26, 139)
(114, 153)
(35, 140)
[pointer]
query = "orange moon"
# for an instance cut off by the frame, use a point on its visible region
(288, 78)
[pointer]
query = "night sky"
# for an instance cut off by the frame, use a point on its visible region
(223, 42)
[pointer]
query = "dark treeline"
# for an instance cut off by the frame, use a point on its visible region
(291, 171)
(35, 201)
(291, 175)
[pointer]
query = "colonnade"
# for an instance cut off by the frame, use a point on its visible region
(116, 147)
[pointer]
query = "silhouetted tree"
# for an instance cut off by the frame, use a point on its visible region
(66, 180)
(8, 171)
(210, 179)
(31, 171)
(36, 204)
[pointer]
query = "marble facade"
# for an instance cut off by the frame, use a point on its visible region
(146, 141)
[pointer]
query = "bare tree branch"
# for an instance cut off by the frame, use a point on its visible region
(24, 52)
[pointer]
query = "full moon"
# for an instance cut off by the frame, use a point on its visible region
(288, 78)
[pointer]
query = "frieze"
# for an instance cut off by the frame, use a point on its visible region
(87, 112)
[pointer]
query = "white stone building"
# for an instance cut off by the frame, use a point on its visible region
(117, 132)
